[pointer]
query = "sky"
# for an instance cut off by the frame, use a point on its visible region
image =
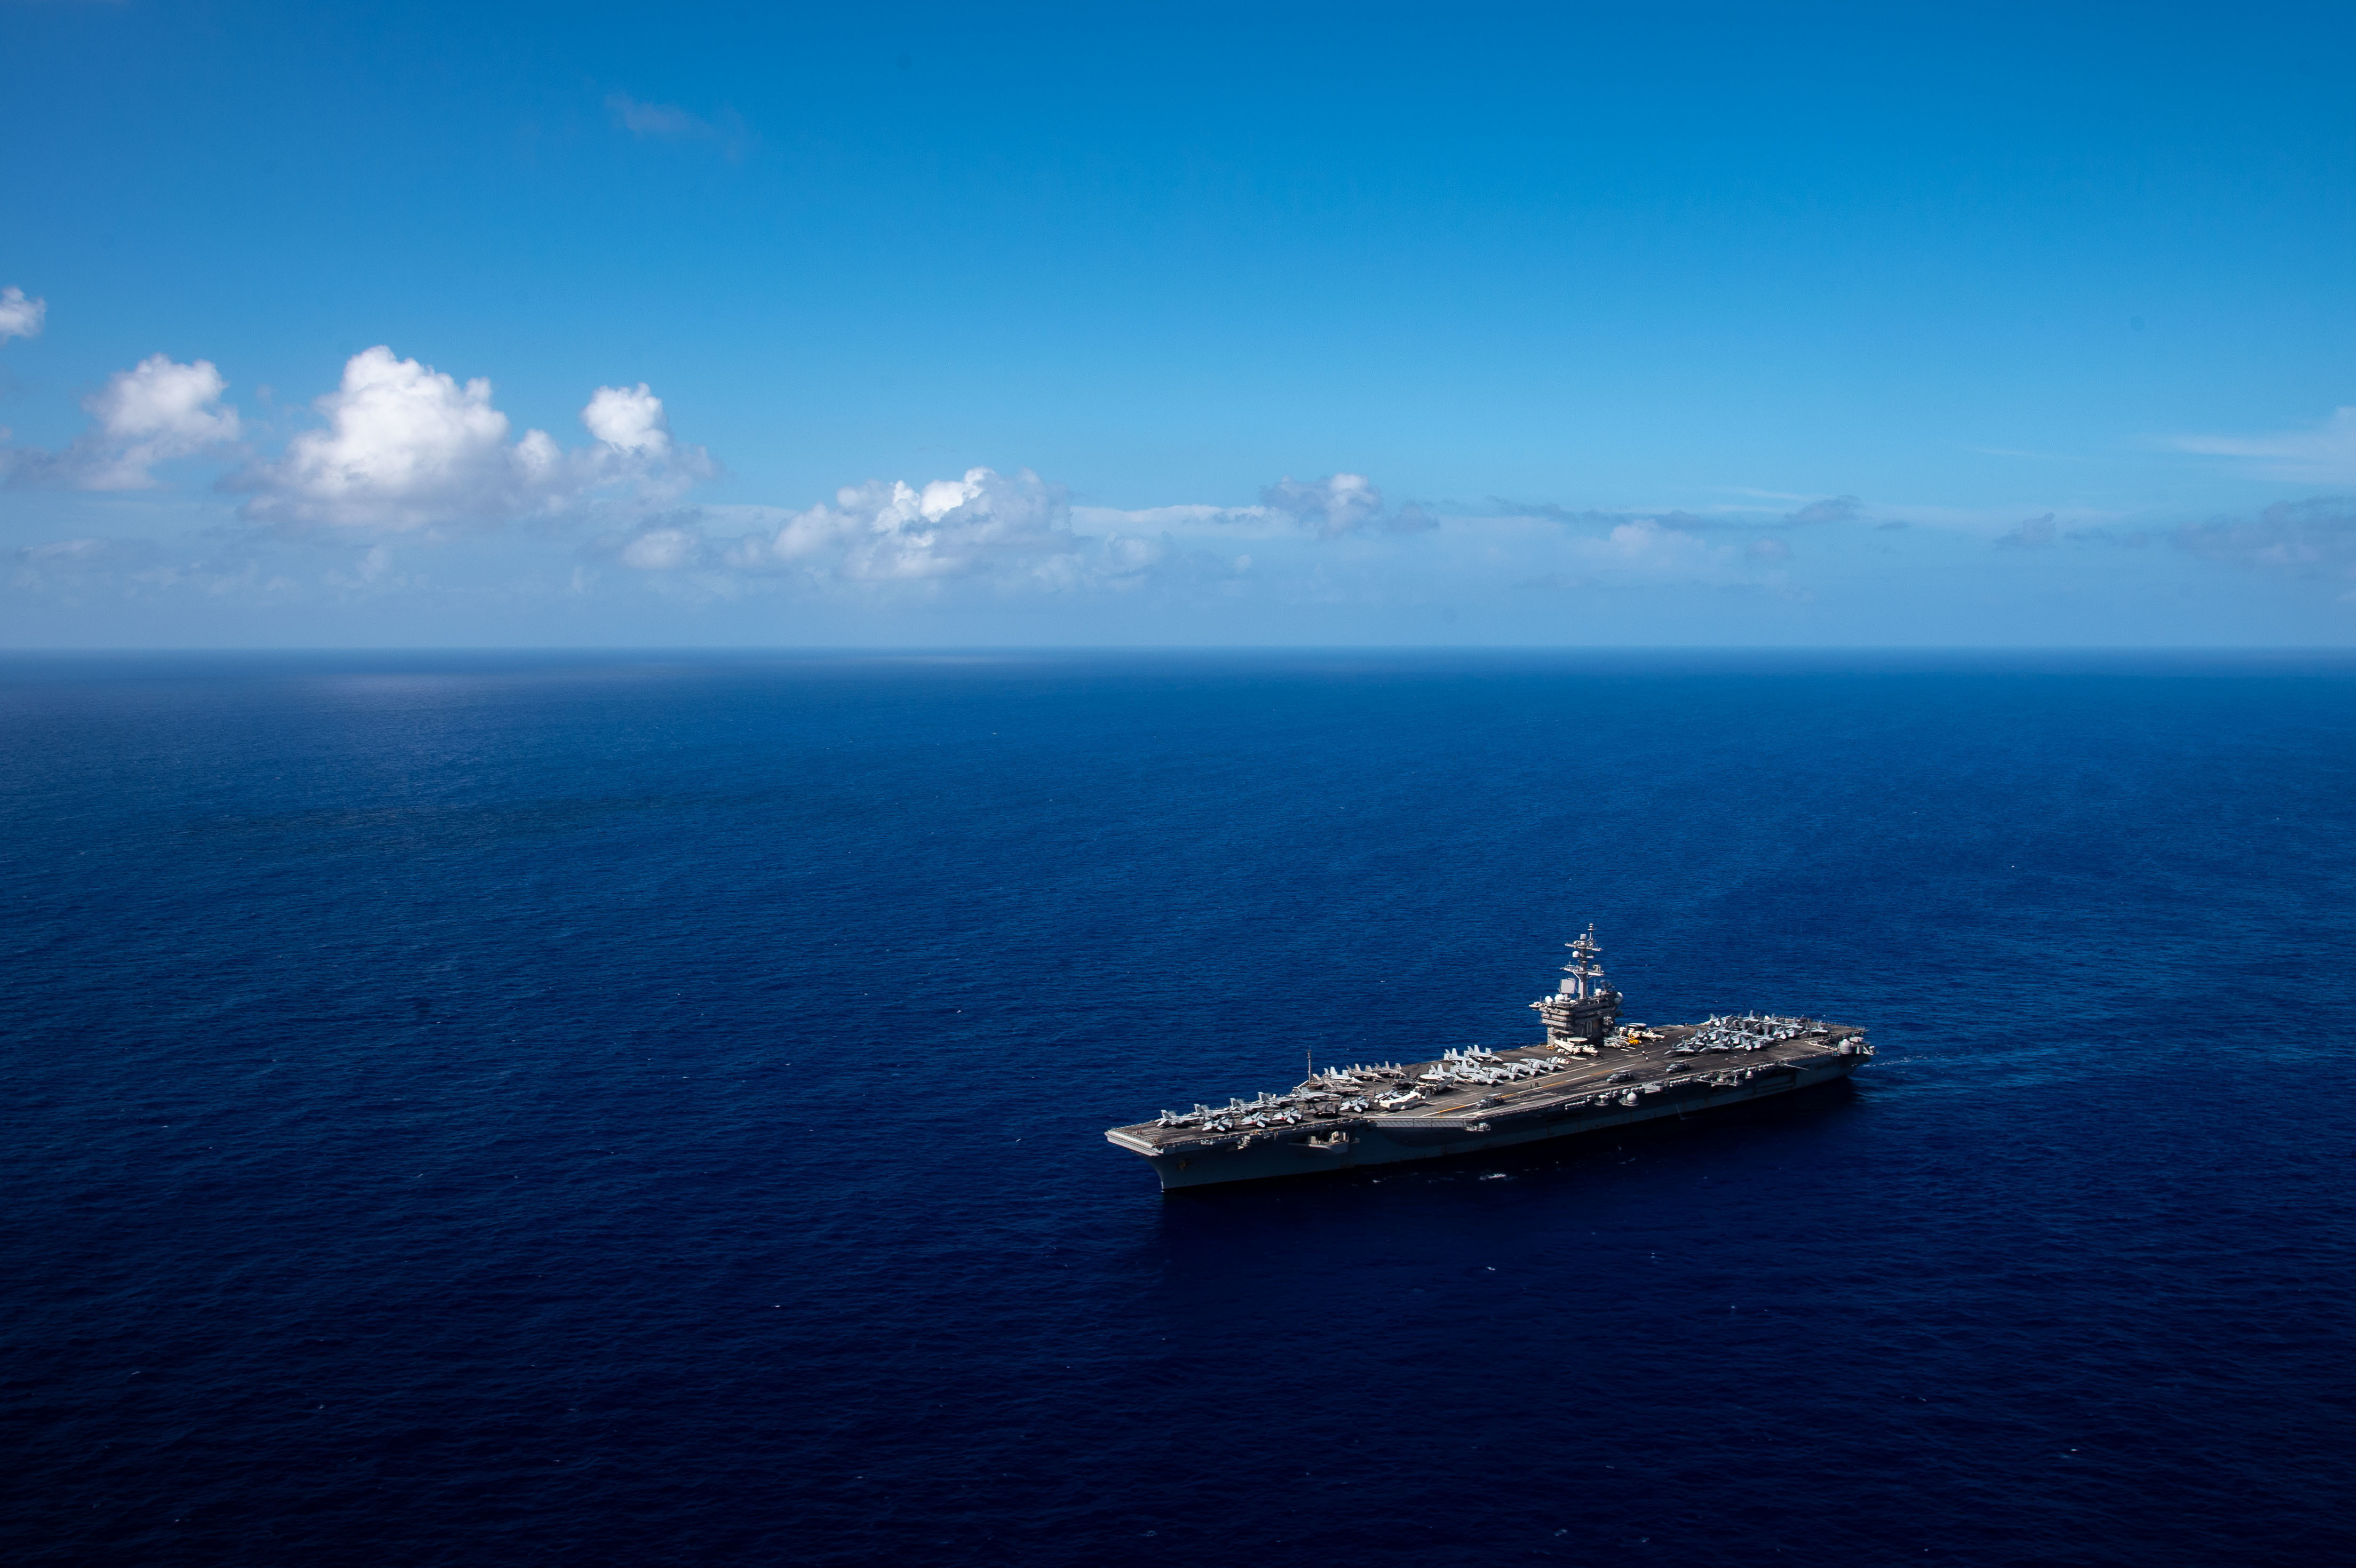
(900, 325)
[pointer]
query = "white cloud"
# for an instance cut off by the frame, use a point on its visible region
(407, 448)
(1017, 533)
(997, 533)
(984, 523)
(627, 421)
(2324, 454)
(1020, 533)
(1337, 504)
(20, 317)
(157, 411)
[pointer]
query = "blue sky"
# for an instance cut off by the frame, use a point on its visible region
(1208, 324)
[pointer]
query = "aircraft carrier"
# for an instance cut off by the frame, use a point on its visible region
(1591, 1071)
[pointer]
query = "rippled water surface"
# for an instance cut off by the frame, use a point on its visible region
(530, 1110)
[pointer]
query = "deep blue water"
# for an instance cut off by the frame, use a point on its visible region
(520, 1110)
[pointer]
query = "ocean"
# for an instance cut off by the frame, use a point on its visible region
(647, 1109)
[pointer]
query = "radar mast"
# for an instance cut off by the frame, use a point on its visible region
(1582, 967)
(1584, 1006)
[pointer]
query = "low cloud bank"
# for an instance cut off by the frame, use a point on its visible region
(1012, 532)
(982, 524)
(2314, 538)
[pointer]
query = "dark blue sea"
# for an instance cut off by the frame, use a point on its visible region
(648, 1109)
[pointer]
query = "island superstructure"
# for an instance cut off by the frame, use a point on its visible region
(1591, 1071)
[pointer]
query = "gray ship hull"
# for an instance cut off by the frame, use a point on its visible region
(1375, 1139)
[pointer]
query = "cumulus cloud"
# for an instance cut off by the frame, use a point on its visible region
(627, 421)
(1337, 504)
(2324, 454)
(2314, 538)
(408, 448)
(155, 411)
(20, 317)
